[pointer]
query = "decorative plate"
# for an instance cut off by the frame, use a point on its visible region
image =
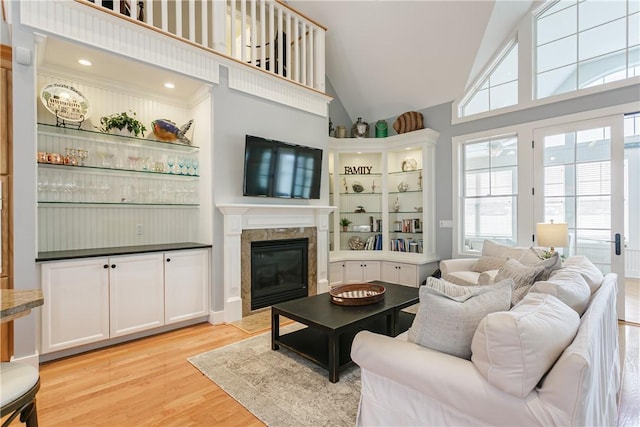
(65, 102)
(357, 294)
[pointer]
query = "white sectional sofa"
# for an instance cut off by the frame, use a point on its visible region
(407, 384)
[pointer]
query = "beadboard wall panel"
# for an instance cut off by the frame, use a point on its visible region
(93, 27)
(262, 85)
(68, 227)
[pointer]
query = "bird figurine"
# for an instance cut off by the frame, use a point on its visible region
(166, 130)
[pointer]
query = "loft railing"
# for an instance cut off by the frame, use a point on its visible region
(266, 34)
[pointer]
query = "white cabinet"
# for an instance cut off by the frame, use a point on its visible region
(186, 275)
(361, 271)
(336, 273)
(95, 299)
(401, 273)
(76, 311)
(136, 293)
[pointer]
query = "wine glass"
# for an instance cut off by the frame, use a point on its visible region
(187, 165)
(171, 161)
(180, 165)
(195, 165)
(43, 188)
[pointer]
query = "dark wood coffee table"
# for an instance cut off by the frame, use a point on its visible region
(330, 329)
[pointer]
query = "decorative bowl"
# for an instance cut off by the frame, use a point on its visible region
(357, 294)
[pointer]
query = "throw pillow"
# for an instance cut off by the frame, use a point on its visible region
(462, 278)
(486, 263)
(448, 315)
(550, 265)
(487, 277)
(491, 248)
(514, 349)
(568, 286)
(581, 264)
(522, 276)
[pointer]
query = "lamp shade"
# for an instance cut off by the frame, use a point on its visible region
(553, 235)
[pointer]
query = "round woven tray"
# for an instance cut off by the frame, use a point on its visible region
(357, 294)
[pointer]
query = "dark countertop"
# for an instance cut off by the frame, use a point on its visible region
(119, 250)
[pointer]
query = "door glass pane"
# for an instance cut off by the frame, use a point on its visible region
(577, 190)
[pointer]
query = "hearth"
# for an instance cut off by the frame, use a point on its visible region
(279, 271)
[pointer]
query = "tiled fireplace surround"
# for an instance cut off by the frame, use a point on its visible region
(244, 223)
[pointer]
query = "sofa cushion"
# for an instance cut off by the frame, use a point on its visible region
(462, 278)
(448, 314)
(568, 286)
(486, 263)
(522, 276)
(581, 264)
(514, 349)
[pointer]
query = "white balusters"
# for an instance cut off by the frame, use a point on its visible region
(256, 32)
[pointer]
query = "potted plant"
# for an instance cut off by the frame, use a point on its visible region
(122, 122)
(344, 222)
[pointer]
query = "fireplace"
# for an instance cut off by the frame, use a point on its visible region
(278, 271)
(245, 224)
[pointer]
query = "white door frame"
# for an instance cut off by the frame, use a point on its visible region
(616, 124)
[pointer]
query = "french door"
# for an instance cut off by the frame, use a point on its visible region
(580, 180)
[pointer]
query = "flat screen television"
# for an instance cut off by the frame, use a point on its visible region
(279, 169)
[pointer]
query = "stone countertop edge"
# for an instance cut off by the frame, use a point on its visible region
(119, 250)
(15, 301)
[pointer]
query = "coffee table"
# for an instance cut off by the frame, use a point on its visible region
(331, 328)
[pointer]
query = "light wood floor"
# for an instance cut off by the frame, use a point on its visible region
(632, 300)
(150, 382)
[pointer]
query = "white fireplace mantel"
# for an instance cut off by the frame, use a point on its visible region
(238, 217)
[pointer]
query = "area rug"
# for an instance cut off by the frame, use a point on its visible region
(280, 387)
(258, 322)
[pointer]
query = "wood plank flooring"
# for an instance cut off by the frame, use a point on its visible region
(149, 382)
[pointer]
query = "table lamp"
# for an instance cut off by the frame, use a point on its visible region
(552, 235)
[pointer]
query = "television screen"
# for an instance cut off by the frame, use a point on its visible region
(278, 169)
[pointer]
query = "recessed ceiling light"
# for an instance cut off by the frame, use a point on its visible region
(85, 62)
(169, 85)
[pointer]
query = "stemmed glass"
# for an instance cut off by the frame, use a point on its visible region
(181, 165)
(195, 165)
(171, 161)
(43, 188)
(187, 165)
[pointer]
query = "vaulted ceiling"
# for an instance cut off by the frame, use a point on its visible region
(387, 57)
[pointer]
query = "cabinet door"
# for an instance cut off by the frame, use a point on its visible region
(136, 293)
(186, 284)
(371, 271)
(408, 274)
(389, 272)
(336, 273)
(353, 271)
(76, 311)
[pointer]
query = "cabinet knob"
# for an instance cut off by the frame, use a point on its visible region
(168, 259)
(113, 266)
(105, 266)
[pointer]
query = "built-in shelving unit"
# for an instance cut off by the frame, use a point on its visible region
(384, 186)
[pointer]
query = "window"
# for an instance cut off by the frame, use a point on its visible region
(499, 89)
(489, 191)
(586, 43)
